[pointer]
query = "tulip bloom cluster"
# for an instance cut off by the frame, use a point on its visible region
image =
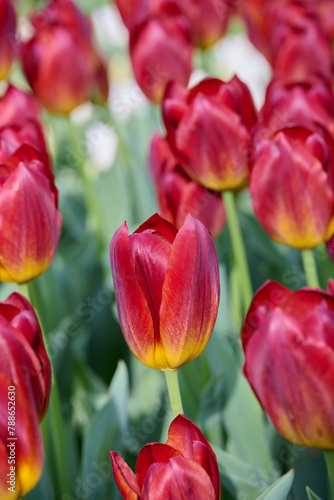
(184, 467)
(288, 339)
(30, 222)
(25, 373)
(167, 290)
(61, 45)
(163, 33)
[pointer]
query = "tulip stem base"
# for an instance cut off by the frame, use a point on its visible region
(310, 268)
(172, 380)
(238, 247)
(329, 458)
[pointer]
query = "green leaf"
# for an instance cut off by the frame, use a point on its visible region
(245, 425)
(311, 495)
(280, 489)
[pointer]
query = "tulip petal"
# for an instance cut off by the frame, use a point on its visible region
(133, 310)
(213, 145)
(205, 457)
(180, 479)
(159, 225)
(27, 205)
(277, 354)
(181, 435)
(190, 295)
(267, 297)
(125, 478)
(291, 195)
(150, 454)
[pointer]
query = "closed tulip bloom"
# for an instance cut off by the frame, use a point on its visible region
(62, 45)
(7, 36)
(288, 339)
(18, 107)
(25, 379)
(167, 290)
(184, 467)
(31, 223)
(161, 51)
(291, 187)
(179, 195)
(208, 128)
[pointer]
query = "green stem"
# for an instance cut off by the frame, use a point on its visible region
(52, 426)
(329, 458)
(238, 247)
(310, 268)
(174, 392)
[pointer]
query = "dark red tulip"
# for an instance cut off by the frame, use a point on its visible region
(288, 339)
(167, 290)
(7, 36)
(208, 128)
(184, 467)
(161, 51)
(62, 45)
(179, 195)
(25, 379)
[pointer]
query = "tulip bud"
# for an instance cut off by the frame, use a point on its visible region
(208, 128)
(167, 290)
(62, 29)
(25, 380)
(30, 224)
(179, 195)
(291, 187)
(289, 361)
(7, 36)
(160, 51)
(187, 456)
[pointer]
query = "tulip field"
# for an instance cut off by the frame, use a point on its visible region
(167, 250)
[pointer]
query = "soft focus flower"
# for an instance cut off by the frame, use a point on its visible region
(60, 61)
(25, 379)
(179, 195)
(18, 107)
(288, 339)
(291, 187)
(167, 290)
(160, 51)
(7, 36)
(208, 128)
(184, 467)
(30, 222)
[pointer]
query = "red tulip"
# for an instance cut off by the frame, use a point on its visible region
(288, 339)
(184, 467)
(179, 195)
(208, 129)
(167, 290)
(31, 223)
(7, 36)
(18, 107)
(161, 51)
(60, 62)
(291, 187)
(25, 379)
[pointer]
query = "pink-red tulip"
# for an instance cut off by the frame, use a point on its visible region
(291, 187)
(288, 339)
(167, 290)
(7, 36)
(208, 128)
(60, 61)
(161, 51)
(184, 467)
(25, 380)
(18, 107)
(179, 195)
(30, 222)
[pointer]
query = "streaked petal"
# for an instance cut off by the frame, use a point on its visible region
(190, 295)
(150, 454)
(125, 478)
(181, 436)
(206, 458)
